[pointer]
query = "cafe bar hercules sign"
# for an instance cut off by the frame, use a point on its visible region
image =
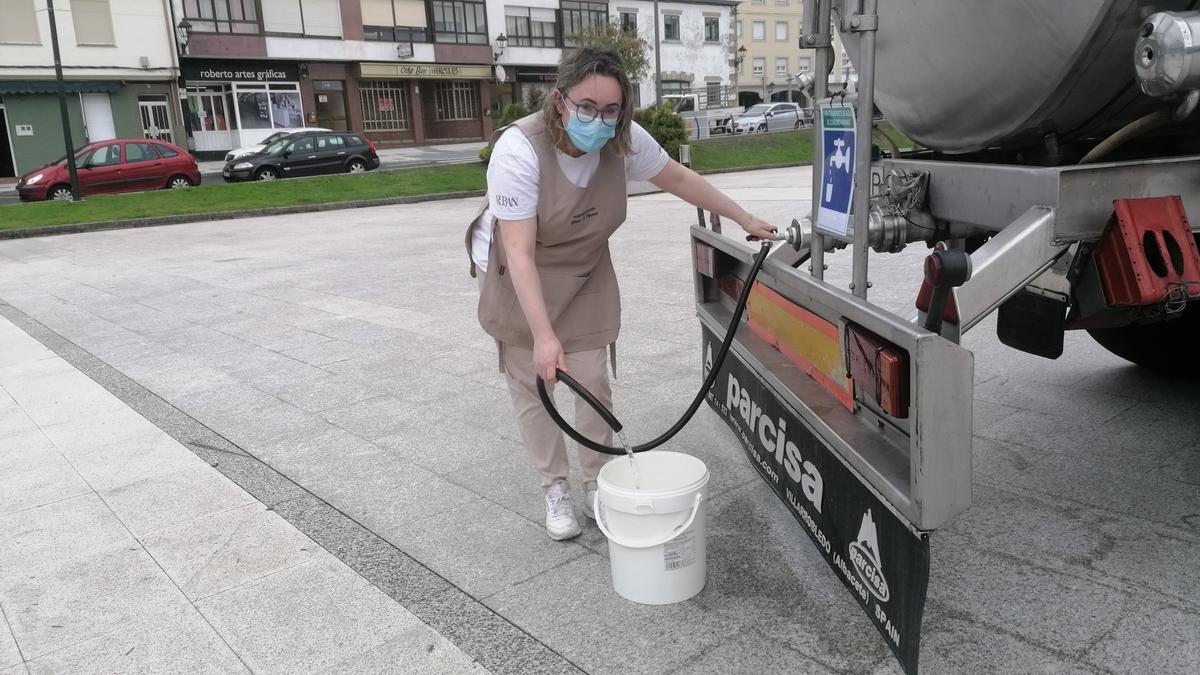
(437, 71)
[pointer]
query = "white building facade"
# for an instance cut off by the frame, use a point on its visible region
(120, 67)
(696, 44)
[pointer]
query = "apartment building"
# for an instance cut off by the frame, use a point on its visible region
(770, 30)
(120, 69)
(213, 75)
(418, 71)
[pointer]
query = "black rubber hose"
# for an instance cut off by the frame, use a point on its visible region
(691, 410)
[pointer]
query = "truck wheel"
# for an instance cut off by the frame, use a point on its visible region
(1168, 347)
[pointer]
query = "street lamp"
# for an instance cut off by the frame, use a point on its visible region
(183, 34)
(741, 56)
(498, 47)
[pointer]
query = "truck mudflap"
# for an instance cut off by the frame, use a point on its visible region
(867, 478)
(880, 559)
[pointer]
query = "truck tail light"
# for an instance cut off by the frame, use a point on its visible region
(879, 370)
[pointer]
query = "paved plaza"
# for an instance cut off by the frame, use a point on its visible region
(281, 445)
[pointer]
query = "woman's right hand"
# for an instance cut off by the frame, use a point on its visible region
(548, 358)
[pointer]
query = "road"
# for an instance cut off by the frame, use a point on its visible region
(348, 360)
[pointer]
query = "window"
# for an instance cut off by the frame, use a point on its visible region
(394, 21)
(165, 151)
(531, 27)
(330, 143)
(384, 105)
(105, 155)
(318, 18)
(805, 65)
(758, 30)
(93, 22)
(781, 66)
(760, 65)
(676, 87)
(456, 101)
(577, 16)
(459, 22)
(739, 29)
(20, 24)
(139, 152)
(302, 145)
(781, 2)
(222, 16)
(756, 2)
(712, 94)
(712, 29)
(670, 26)
(781, 30)
(629, 22)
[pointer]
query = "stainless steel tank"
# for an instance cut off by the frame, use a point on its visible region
(965, 75)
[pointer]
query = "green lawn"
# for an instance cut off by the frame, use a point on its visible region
(752, 150)
(215, 196)
(711, 155)
(748, 150)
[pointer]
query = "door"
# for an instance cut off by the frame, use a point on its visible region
(8, 165)
(208, 119)
(301, 159)
(97, 117)
(331, 105)
(156, 120)
(143, 168)
(331, 154)
(101, 171)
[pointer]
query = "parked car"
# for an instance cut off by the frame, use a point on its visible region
(105, 167)
(307, 154)
(247, 150)
(768, 117)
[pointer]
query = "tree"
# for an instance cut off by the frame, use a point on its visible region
(666, 126)
(632, 49)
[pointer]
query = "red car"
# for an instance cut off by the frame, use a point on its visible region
(106, 167)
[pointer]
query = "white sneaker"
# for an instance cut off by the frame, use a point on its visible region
(560, 518)
(589, 502)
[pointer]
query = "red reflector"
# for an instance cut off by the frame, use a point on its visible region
(1147, 250)
(705, 258)
(731, 286)
(879, 370)
(372, 144)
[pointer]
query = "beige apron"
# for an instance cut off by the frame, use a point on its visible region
(571, 253)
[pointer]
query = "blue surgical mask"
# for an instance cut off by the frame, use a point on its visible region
(589, 136)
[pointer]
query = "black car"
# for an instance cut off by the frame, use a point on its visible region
(306, 154)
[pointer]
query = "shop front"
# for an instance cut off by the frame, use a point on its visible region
(534, 83)
(425, 102)
(31, 131)
(229, 104)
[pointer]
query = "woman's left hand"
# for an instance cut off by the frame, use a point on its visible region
(759, 229)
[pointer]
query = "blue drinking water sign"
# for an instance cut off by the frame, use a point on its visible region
(837, 169)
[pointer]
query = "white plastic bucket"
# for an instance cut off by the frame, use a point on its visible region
(656, 533)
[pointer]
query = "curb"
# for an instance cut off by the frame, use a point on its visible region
(81, 228)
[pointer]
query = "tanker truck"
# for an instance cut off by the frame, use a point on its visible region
(1057, 158)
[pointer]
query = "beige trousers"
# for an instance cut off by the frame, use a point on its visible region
(543, 439)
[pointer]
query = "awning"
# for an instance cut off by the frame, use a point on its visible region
(51, 87)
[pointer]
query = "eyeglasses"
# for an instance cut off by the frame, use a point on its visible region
(586, 112)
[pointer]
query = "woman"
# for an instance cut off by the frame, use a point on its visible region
(556, 193)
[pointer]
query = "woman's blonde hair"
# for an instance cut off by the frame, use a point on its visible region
(574, 68)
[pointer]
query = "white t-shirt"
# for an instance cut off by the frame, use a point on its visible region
(513, 179)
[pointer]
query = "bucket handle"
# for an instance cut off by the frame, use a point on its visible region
(644, 543)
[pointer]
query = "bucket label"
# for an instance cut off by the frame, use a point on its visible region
(680, 552)
(878, 558)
